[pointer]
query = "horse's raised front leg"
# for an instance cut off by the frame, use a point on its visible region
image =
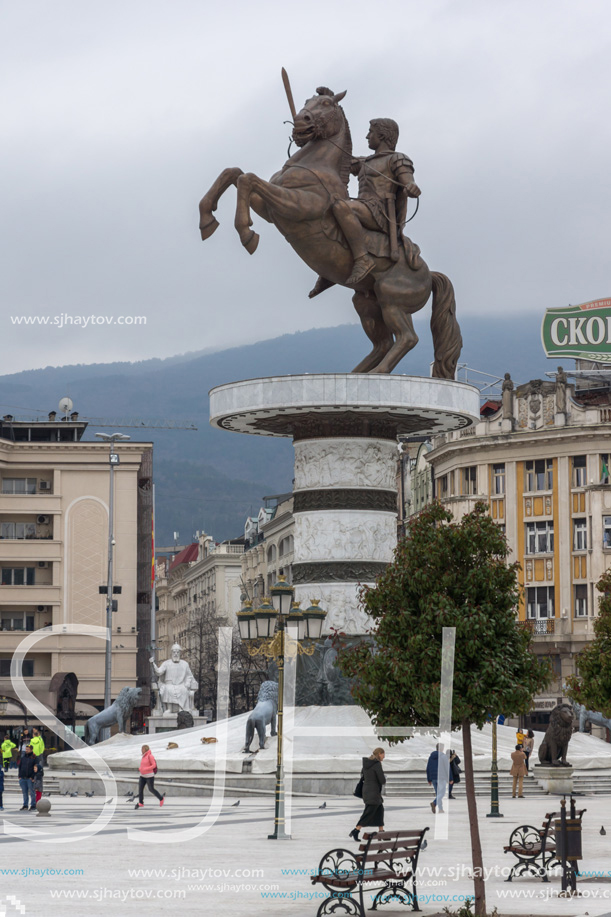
(295, 205)
(210, 200)
(370, 315)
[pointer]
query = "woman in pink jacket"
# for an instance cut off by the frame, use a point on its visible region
(148, 769)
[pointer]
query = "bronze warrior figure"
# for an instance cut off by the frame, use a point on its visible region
(356, 243)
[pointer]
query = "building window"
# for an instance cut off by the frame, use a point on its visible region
(498, 479)
(443, 486)
(17, 576)
(17, 621)
(607, 532)
(579, 471)
(580, 535)
(539, 475)
(17, 530)
(27, 668)
(19, 485)
(581, 601)
(469, 480)
(540, 537)
(540, 602)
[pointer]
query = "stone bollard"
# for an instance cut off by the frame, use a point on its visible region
(43, 807)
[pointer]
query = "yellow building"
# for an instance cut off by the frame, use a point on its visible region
(54, 492)
(541, 463)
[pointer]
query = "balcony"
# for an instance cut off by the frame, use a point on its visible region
(45, 504)
(540, 626)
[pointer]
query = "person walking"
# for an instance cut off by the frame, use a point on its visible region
(7, 751)
(437, 768)
(454, 771)
(37, 781)
(26, 773)
(518, 771)
(527, 745)
(373, 781)
(148, 769)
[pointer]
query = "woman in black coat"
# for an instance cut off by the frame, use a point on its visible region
(373, 781)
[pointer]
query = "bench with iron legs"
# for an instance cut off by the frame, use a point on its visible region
(387, 860)
(535, 848)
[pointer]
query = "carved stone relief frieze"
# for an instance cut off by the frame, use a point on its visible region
(345, 463)
(341, 602)
(345, 535)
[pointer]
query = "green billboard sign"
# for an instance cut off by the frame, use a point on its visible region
(582, 332)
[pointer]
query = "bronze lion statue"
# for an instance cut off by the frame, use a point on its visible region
(553, 748)
(119, 712)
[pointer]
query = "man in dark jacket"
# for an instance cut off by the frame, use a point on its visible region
(26, 779)
(437, 768)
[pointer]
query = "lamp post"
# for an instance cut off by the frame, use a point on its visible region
(113, 460)
(494, 781)
(264, 630)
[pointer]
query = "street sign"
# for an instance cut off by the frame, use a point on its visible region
(582, 332)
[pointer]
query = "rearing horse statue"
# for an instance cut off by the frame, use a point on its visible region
(299, 201)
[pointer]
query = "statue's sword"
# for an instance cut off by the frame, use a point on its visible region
(289, 94)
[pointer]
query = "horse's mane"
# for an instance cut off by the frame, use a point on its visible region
(346, 161)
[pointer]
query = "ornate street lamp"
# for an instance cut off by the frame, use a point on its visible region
(268, 626)
(494, 782)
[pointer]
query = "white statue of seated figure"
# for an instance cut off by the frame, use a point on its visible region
(177, 685)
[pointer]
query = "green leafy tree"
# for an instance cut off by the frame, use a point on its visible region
(447, 574)
(592, 685)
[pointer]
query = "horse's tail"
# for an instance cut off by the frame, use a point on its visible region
(447, 339)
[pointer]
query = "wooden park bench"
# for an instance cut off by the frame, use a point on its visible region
(388, 860)
(535, 848)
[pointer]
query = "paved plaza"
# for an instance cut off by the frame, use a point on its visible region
(233, 869)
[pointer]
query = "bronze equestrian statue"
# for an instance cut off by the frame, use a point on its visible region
(359, 243)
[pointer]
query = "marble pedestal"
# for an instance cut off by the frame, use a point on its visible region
(344, 428)
(169, 723)
(557, 781)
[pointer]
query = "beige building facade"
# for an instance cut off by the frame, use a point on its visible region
(541, 463)
(269, 548)
(54, 521)
(204, 579)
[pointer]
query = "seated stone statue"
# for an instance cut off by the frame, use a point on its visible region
(264, 713)
(177, 686)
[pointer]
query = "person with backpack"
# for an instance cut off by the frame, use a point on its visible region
(455, 771)
(148, 769)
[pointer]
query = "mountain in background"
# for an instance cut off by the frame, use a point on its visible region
(211, 479)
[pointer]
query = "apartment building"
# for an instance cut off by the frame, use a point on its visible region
(54, 492)
(541, 461)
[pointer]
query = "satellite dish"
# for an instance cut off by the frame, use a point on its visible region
(66, 405)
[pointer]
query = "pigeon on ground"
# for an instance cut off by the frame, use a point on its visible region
(109, 800)
(74, 773)
(129, 793)
(602, 829)
(74, 794)
(46, 794)
(323, 806)
(233, 804)
(423, 845)
(90, 794)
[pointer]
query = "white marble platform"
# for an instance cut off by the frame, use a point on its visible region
(419, 405)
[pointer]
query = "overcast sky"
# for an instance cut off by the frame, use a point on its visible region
(118, 115)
